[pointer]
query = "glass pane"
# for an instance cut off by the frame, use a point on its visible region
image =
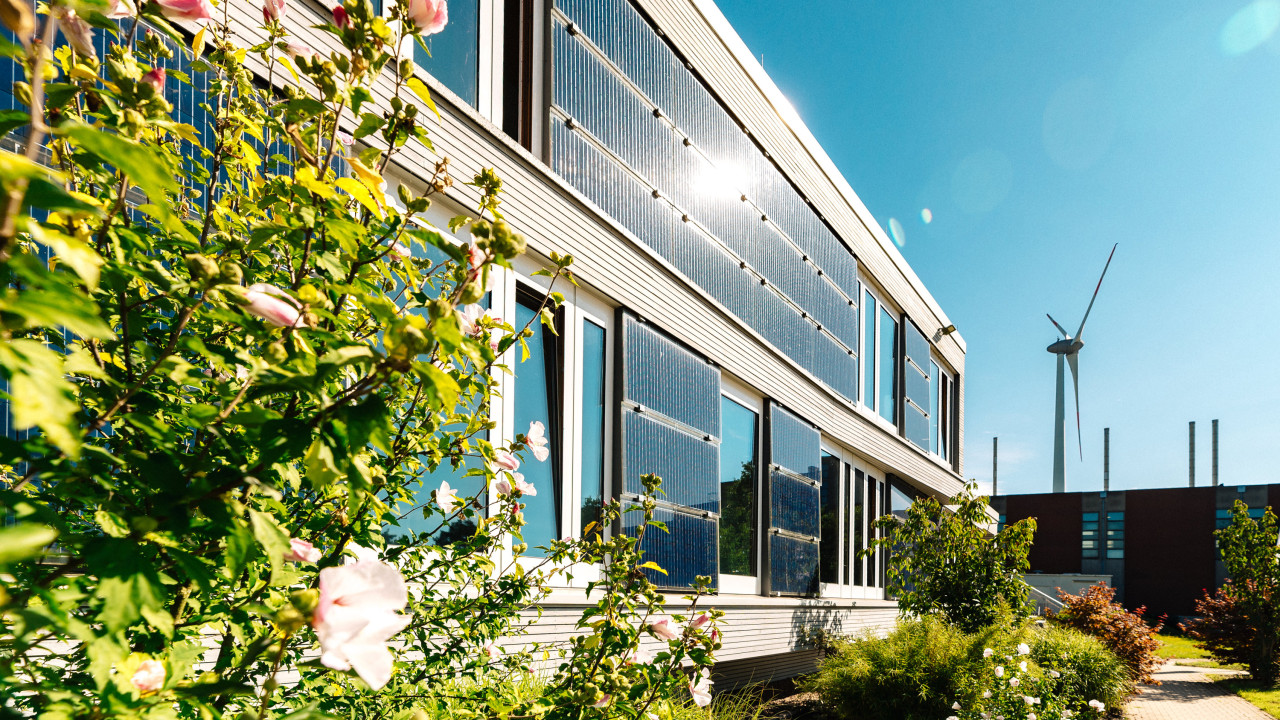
(413, 520)
(1115, 554)
(869, 359)
(1089, 516)
(934, 414)
(794, 565)
(1115, 516)
(888, 362)
(829, 548)
(454, 57)
(899, 502)
(536, 398)
(794, 504)
(1090, 526)
(593, 369)
(850, 518)
(686, 550)
(737, 489)
(859, 525)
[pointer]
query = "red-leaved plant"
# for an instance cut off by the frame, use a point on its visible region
(1095, 612)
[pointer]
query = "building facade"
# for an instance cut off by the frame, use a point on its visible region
(1157, 545)
(742, 327)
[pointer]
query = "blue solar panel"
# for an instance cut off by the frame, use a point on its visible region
(793, 566)
(688, 549)
(688, 465)
(794, 444)
(793, 504)
(663, 376)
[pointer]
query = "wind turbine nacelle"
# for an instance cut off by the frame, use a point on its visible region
(1066, 346)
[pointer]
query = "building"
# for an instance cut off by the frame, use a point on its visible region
(1157, 545)
(743, 327)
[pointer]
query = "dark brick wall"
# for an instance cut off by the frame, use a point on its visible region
(1169, 549)
(1057, 540)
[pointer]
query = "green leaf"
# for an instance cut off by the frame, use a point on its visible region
(111, 523)
(23, 541)
(274, 541)
(421, 90)
(10, 119)
(39, 395)
(55, 308)
(651, 565)
(369, 124)
(77, 254)
(139, 163)
(321, 470)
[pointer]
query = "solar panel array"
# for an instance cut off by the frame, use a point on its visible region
(795, 457)
(639, 134)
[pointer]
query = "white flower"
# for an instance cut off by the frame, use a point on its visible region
(490, 650)
(302, 551)
(1031, 716)
(525, 488)
(400, 250)
(149, 676)
(447, 498)
(955, 705)
(602, 701)
(1028, 699)
(536, 439)
(986, 693)
(1014, 682)
(357, 615)
(501, 485)
(469, 319)
(639, 656)
(952, 717)
(1055, 673)
(699, 621)
(1022, 666)
(999, 671)
(988, 653)
(663, 629)
(701, 689)
(1097, 705)
(1023, 649)
(506, 461)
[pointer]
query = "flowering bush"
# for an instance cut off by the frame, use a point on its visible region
(243, 365)
(1009, 685)
(1125, 633)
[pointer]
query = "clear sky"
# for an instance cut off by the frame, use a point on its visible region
(1038, 134)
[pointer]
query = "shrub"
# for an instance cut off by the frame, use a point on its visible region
(1248, 548)
(1086, 669)
(942, 561)
(1007, 683)
(913, 672)
(1125, 633)
(1224, 629)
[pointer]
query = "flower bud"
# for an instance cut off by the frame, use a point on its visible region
(305, 600)
(340, 18)
(276, 353)
(155, 78)
(229, 273)
(201, 268)
(472, 292)
(289, 619)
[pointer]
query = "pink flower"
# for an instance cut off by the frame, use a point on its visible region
(429, 15)
(149, 676)
(186, 9)
(490, 650)
(476, 256)
(119, 9)
(506, 460)
(155, 78)
(701, 688)
(602, 701)
(536, 439)
(272, 10)
(639, 656)
(76, 31)
(344, 138)
(400, 250)
(524, 487)
(447, 498)
(357, 615)
(302, 551)
(298, 51)
(273, 305)
(501, 485)
(340, 18)
(469, 320)
(699, 621)
(663, 629)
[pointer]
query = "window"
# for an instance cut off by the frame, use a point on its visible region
(887, 366)
(594, 395)
(739, 429)
(537, 399)
(869, 350)
(829, 550)
(1115, 535)
(940, 385)
(452, 55)
(859, 526)
(1089, 535)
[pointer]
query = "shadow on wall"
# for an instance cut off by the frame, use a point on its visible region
(814, 622)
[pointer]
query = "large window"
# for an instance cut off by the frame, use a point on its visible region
(869, 350)
(738, 479)
(537, 399)
(1089, 535)
(887, 366)
(940, 389)
(452, 55)
(1115, 535)
(829, 549)
(594, 396)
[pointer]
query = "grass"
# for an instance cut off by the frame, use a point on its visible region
(1184, 649)
(1265, 699)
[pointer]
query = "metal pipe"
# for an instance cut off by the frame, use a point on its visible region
(1106, 459)
(1215, 453)
(1191, 455)
(995, 456)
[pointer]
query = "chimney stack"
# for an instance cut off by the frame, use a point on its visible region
(1106, 459)
(1215, 453)
(1191, 456)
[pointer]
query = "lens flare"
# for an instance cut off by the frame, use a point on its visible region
(982, 181)
(926, 215)
(896, 233)
(1251, 26)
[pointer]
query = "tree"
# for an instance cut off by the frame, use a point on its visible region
(1251, 599)
(944, 561)
(242, 362)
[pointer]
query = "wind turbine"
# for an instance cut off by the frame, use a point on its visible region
(1068, 351)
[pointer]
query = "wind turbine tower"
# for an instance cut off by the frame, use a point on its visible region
(1068, 351)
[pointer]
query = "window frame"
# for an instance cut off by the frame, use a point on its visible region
(852, 464)
(741, 393)
(872, 360)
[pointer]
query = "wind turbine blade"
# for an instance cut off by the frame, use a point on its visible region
(1096, 289)
(1072, 361)
(1055, 324)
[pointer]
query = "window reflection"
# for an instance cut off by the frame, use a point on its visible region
(829, 544)
(593, 419)
(888, 362)
(737, 489)
(869, 351)
(537, 385)
(454, 52)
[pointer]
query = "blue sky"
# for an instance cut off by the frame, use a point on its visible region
(1038, 134)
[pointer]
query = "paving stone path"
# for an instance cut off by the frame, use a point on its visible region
(1189, 694)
